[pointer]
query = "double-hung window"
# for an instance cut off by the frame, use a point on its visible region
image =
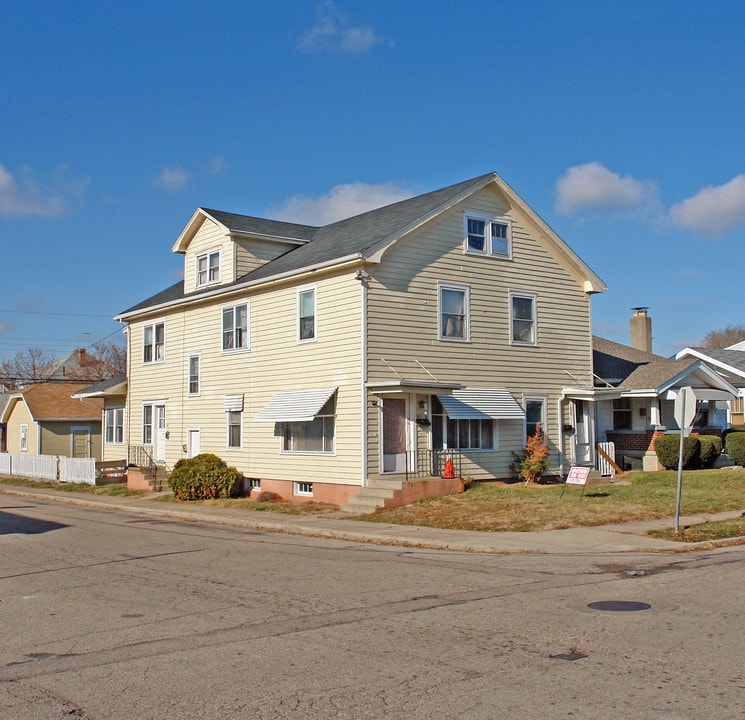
(147, 424)
(535, 415)
(465, 434)
(23, 445)
(208, 268)
(154, 343)
(235, 425)
(453, 303)
(306, 315)
(622, 414)
(193, 374)
(523, 324)
(115, 425)
(235, 328)
(488, 236)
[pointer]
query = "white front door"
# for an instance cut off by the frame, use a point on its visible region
(160, 433)
(583, 433)
(394, 435)
(195, 443)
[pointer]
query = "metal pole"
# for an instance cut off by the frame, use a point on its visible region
(680, 464)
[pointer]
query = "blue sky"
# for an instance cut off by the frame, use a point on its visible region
(620, 123)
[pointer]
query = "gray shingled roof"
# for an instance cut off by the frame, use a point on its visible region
(734, 358)
(352, 236)
(100, 388)
(632, 369)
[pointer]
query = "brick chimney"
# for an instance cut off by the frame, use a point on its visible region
(641, 329)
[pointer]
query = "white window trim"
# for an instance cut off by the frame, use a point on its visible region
(23, 437)
(207, 254)
(155, 359)
(300, 291)
(228, 446)
(488, 220)
(543, 399)
(466, 289)
(534, 297)
(302, 489)
(233, 350)
(189, 358)
(114, 411)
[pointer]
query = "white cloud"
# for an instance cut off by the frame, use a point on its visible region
(172, 179)
(20, 195)
(342, 201)
(334, 33)
(592, 188)
(715, 210)
(217, 165)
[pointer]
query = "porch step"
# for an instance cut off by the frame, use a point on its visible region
(159, 481)
(369, 499)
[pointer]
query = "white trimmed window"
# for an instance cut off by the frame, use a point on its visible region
(453, 303)
(304, 489)
(235, 429)
(316, 436)
(535, 414)
(208, 268)
(306, 315)
(461, 434)
(491, 236)
(114, 426)
(235, 328)
(24, 438)
(523, 323)
(147, 424)
(193, 374)
(154, 343)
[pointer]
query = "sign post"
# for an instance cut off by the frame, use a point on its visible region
(685, 412)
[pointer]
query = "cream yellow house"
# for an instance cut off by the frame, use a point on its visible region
(362, 361)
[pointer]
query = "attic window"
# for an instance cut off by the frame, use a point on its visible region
(491, 236)
(208, 268)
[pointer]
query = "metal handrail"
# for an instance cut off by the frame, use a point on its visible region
(432, 463)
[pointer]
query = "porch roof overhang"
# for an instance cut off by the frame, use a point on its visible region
(295, 405)
(481, 404)
(702, 394)
(412, 386)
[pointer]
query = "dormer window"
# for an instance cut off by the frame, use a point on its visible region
(208, 268)
(488, 236)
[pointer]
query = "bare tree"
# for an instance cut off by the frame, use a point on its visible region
(105, 360)
(718, 339)
(29, 366)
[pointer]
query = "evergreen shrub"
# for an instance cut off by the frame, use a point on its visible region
(667, 446)
(711, 449)
(735, 447)
(204, 477)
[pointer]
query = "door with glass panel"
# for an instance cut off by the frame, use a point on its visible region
(394, 435)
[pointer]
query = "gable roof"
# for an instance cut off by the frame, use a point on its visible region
(116, 385)
(630, 369)
(362, 238)
(53, 401)
(728, 362)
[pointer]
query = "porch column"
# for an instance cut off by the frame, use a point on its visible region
(655, 414)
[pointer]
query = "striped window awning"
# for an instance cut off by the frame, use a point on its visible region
(295, 405)
(481, 404)
(234, 403)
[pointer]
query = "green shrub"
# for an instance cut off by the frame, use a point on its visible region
(735, 447)
(728, 431)
(667, 446)
(711, 449)
(204, 477)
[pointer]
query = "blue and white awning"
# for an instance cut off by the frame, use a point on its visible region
(481, 404)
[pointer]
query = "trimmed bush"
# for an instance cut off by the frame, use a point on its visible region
(204, 477)
(735, 447)
(729, 431)
(666, 447)
(711, 449)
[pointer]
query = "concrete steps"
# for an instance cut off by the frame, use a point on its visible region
(368, 499)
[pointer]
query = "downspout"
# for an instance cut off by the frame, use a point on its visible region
(560, 418)
(363, 277)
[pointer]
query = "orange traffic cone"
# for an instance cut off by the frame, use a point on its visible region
(448, 474)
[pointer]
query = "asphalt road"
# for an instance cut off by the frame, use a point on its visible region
(112, 616)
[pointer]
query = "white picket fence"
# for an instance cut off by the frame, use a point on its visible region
(49, 467)
(606, 469)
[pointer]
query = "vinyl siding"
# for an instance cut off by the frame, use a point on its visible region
(275, 361)
(251, 254)
(20, 415)
(403, 320)
(209, 237)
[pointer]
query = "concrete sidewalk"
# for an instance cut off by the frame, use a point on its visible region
(618, 538)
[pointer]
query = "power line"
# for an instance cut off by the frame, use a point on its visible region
(58, 314)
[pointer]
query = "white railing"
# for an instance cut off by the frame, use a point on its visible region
(48, 467)
(82, 470)
(606, 469)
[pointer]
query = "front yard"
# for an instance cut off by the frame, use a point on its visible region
(517, 507)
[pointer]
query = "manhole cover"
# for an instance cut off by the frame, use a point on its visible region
(619, 605)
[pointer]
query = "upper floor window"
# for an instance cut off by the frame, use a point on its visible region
(523, 319)
(453, 302)
(194, 375)
(306, 315)
(154, 343)
(208, 268)
(488, 236)
(235, 327)
(115, 425)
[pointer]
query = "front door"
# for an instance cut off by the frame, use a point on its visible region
(583, 433)
(394, 435)
(195, 443)
(160, 433)
(81, 437)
